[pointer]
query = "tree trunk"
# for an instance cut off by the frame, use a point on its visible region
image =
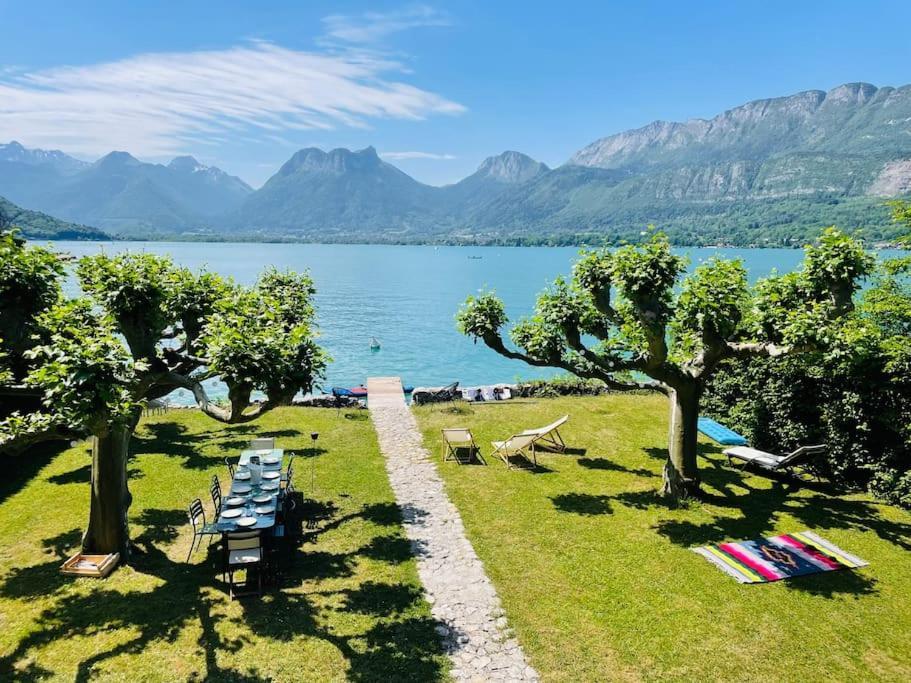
(107, 531)
(681, 471)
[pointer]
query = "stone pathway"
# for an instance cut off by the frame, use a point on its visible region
(473, 627)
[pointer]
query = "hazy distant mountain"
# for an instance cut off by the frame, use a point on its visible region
(494, 175)
(118, 192)
(771, 171)
(325, 193)
(39, 226)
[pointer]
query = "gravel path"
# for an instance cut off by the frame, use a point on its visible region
(472, 626)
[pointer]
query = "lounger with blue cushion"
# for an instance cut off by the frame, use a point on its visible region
(719, 433)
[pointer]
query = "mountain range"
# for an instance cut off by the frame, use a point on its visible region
(768, 172)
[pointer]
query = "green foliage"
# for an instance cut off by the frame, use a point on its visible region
(134, 289)
(901, 214)
(561, 385)
(481, 316)
(261, 338)
(83, 371)
(645, 274)
(710, 305)
(855, 397)
(29, 284)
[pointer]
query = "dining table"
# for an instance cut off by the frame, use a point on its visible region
(257, 503)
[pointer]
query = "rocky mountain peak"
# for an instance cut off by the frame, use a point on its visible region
(336, 161)
(187, 164)
(511, 167)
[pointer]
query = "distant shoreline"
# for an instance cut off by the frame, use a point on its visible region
(530, 242)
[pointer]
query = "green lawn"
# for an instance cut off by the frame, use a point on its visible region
(598, 582)
(352, 609)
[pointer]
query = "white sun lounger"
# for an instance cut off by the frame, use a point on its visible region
(771, 462)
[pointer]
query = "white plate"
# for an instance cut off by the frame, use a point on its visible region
(271, 460)
(242, 476)
(271, 475)
(264, 451)
(230, 514)
(241, 488)
(270, 486)
(264, 510)
(236, 500)
(246, 521)
(262, 498)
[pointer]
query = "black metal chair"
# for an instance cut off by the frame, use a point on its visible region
(197, 515)
(215, 492)
(230, 467)
(286, 475)
(284, 532)
(244, 550)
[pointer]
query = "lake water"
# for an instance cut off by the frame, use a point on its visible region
(407, 297)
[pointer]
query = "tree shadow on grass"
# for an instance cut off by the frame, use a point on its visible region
(609, 465)
(399, 646)
(20, 469)
(583, 503)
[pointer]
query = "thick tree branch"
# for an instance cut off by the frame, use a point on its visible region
(234, 416)
(769, 349)
(495, 342)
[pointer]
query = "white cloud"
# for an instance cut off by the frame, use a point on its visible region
(371, 27)
(158, 104)
(416, 155)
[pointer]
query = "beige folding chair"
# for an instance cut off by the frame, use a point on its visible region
(456, 438)
(262, 444)
(550, 435)
(517, 445)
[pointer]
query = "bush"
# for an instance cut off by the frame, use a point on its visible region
(562, 385)
(861, 410)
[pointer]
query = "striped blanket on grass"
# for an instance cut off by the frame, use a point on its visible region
(778, 557)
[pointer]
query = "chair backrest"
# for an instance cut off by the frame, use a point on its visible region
(457, 435)
(215, 491)
(552, 426)
(245, 540)
(520, 441)
(196, 512)
(262, 444)
(448, 389)
(230, 467)
(290, 475)
(802, 454)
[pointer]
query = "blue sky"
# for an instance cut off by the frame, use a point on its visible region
(435, 87)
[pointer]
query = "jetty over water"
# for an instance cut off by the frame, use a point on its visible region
(385, 392)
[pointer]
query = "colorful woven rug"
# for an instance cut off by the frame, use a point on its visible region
(778, 557)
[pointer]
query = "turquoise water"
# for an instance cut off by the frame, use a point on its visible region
(407, 296)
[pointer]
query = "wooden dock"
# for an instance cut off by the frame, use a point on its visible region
(383, 392)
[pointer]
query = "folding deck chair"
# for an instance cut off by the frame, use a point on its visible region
(550, 435)
(456, 438)
(517, 445)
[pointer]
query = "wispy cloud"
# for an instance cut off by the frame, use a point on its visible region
(372, 27)
(416, 155)
(158, 104)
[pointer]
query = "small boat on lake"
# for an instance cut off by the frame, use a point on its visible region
(374, 344)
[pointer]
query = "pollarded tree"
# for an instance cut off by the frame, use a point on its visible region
(145, 328)
(626, 318)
